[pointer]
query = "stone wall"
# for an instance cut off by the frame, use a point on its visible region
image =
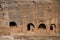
(35, 13)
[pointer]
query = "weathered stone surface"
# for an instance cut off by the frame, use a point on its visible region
(22, 12)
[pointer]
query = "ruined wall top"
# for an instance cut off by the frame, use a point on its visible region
(29, 1)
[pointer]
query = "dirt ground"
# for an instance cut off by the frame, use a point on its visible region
(29, 37)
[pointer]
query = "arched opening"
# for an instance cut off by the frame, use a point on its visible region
(43, 26)
(29, 26)
(52, 26)
(11, 24)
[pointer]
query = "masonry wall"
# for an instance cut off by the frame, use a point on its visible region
(35, 12)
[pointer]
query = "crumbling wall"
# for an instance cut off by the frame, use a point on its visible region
(21, 13)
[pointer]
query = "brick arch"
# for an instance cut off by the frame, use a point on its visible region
(29, 26)
(42, 25)
(12, 23)
(52, 26)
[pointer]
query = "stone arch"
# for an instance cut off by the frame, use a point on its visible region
(29, 26)
(42, 25)
(52, 26)
(12, 24)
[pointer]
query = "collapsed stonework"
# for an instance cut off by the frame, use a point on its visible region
(39, 17)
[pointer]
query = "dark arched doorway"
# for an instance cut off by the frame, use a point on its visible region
(52, 26)
(43, 26)
(29, 26)
(11, 24)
